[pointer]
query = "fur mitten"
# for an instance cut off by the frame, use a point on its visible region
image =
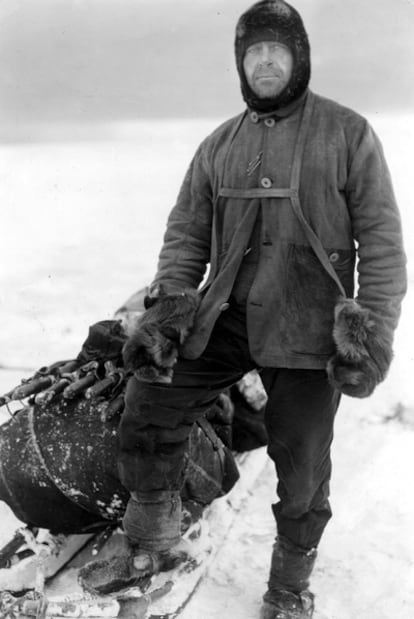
(151, 350)
(364, 351)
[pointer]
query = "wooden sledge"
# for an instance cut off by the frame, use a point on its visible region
(50, 575)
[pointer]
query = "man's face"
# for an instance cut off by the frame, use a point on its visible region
(267, 66)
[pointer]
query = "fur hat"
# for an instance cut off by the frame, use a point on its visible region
(274, 20)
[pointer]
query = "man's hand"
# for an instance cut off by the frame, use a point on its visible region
(152, 349)
(363, 352)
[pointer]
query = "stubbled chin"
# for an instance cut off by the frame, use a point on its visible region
(267, 87)
(266, 93)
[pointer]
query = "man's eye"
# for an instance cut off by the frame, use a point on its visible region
(278, 47)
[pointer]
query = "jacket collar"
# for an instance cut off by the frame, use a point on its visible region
(283, 112)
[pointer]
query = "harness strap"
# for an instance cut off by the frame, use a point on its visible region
(292, 192)
(256, 192)
(300, 142)
(311, 236)
(211, 435)
(316, 245)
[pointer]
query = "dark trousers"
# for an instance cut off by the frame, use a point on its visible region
(300, 413)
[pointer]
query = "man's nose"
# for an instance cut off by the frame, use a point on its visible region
(265, 57)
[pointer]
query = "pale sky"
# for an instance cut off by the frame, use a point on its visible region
(110, 60)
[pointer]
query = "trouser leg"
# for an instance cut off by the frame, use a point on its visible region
(299, 419)
(153, 436)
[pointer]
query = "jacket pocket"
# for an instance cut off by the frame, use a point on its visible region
(311, 295)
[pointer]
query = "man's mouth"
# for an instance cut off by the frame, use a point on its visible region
(267, 76)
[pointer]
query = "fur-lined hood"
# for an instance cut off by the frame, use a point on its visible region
(274, 20)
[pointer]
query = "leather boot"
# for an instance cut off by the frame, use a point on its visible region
(288, 596)
(151, 544)
(152, 520)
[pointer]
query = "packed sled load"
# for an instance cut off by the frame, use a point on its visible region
(58, 474)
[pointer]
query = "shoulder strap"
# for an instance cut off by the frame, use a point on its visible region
(223, 153)
(292, 192)
(312, 238)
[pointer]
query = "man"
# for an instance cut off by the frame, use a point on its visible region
(275, 201)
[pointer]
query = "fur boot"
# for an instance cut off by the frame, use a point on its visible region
(288, 596)
(130, 568)
(151, 351)
(289, 605)
(364, 350)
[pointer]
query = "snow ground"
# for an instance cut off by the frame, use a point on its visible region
(82, 223)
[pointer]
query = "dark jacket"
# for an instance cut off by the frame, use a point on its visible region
(346, 197)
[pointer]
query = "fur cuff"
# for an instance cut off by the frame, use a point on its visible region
(152, 349)
(364, 350)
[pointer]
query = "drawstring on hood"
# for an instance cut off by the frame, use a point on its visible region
(274, 20)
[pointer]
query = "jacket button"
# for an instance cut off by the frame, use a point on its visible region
(270, 122)
(254, 117)
(224, 306)
(266, 182)
(334, 257)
